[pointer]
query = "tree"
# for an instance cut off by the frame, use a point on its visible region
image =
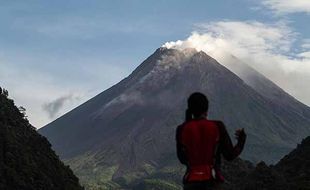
(5, 93)
(22, 110)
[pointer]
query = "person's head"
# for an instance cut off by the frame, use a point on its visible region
(197, 106)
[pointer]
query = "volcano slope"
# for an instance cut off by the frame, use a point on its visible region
(127, 132)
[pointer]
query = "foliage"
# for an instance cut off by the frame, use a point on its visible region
(27, 161)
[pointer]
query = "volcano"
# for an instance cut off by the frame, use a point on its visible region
(128, 131)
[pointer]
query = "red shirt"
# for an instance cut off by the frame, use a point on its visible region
(200, 142)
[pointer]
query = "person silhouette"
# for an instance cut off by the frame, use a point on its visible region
(200, 144)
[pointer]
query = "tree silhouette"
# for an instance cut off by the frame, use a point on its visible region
(22, 110)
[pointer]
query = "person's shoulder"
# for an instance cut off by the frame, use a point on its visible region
(179, 130)
(185, 124)
(218, 123)
(181, 125)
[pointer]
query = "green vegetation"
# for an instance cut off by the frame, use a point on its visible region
(157, 184)
(95, 175)
(27, 161)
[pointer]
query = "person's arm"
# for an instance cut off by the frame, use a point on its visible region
(229, 151)
(180, 148)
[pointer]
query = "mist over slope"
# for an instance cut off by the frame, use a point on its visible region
(127, 132)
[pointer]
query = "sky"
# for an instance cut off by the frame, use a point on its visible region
(55, 55)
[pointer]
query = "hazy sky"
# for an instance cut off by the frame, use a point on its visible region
(54, 55)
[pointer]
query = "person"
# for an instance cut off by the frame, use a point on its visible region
(200, 144)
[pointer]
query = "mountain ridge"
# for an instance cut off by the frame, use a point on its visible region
(262, 85)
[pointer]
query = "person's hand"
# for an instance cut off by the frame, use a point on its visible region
(240, 134)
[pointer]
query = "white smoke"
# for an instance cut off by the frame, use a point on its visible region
(131, 97)
(54, 107)
(269, 48)
(173, 62)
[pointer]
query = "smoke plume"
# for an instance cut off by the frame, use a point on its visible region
(269, 48)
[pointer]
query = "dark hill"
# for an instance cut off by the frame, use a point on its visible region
(296, 166)
(27, 161)
(291, 173)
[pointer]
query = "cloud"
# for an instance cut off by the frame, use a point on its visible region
(305, 55)
(287, 6)
(32, 84)
(242, 37)
(306, 44)
(266, 47)
(32, 88)
(55, 106)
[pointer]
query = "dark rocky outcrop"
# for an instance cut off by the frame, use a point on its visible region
(291, 173)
